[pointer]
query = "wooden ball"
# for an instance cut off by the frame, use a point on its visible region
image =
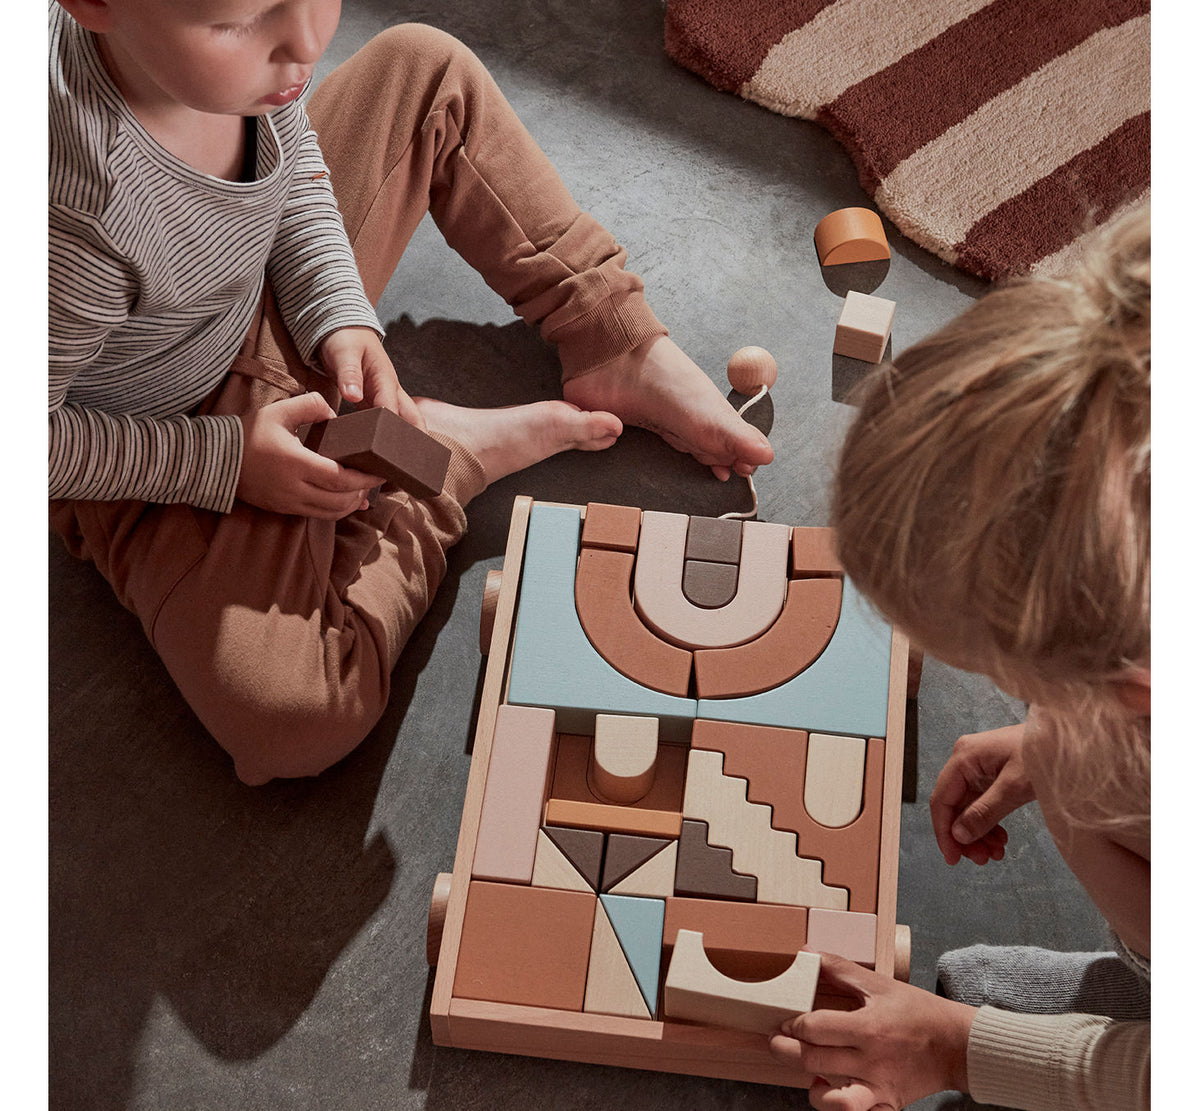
(751, 368)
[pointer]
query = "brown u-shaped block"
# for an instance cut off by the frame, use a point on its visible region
(798, 636)
(772, 760)
(606, 612)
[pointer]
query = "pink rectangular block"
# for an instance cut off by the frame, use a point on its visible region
(517, 778)
(847, 933)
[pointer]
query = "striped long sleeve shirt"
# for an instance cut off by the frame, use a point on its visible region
(156, 271)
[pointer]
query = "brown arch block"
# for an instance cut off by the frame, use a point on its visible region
(799, 636)
(772, 761)
(606, 612)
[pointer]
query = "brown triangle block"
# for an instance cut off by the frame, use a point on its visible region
(380, 443)
(625, 853)
(582, 847)
(707, 870)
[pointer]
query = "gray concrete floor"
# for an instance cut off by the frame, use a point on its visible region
(214, 947)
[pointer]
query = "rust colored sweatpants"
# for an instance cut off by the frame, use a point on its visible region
(282, 631)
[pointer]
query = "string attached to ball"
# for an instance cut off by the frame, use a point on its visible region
(751, 370)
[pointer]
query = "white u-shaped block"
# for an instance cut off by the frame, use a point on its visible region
(658, 584)
(696, 991)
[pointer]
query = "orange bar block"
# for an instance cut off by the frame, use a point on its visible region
(851, 235)
(618, 819)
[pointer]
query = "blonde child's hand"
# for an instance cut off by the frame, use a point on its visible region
(899, 1044)
(983, 781)
(280, 474)
(356, 360)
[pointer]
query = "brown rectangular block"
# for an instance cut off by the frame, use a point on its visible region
(747, 940)
(382, 444)
(611, 526)
(814, 553)
(526, 945)
(714, 539)
(570, 780)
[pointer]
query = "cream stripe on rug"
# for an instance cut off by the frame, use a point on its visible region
(1070, 255)
(962, 175)
(853, 38)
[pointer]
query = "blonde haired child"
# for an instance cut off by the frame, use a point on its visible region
(993, 500)
(214, 260)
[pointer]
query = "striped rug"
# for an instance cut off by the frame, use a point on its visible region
(1000, 135)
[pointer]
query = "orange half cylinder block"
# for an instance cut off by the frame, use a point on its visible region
(851, 235)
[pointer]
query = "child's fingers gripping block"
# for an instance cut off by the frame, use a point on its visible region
(380, 443)
(696, 991)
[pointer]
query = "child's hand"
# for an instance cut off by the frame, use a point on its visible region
(983, 781)
(279, 473)
(356, 360)
(899, 1044)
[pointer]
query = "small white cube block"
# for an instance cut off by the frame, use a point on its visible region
(864, 327)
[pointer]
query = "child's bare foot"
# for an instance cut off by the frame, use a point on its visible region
(511, 439)
(656, 386)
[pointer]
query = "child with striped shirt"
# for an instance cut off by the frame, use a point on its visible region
(215, 252)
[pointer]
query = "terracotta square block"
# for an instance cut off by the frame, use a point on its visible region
(527, 945)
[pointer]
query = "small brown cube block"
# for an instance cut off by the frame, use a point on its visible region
(864, 327)
(382, 444)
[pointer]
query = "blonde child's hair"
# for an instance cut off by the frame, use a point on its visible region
(993, 499)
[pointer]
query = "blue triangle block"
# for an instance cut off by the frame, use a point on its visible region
(638, 924)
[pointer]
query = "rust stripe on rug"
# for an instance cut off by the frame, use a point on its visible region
(992, 133)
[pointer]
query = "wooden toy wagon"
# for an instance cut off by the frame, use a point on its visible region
(687, 767)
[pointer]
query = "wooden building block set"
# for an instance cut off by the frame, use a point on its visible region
(680, 780)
